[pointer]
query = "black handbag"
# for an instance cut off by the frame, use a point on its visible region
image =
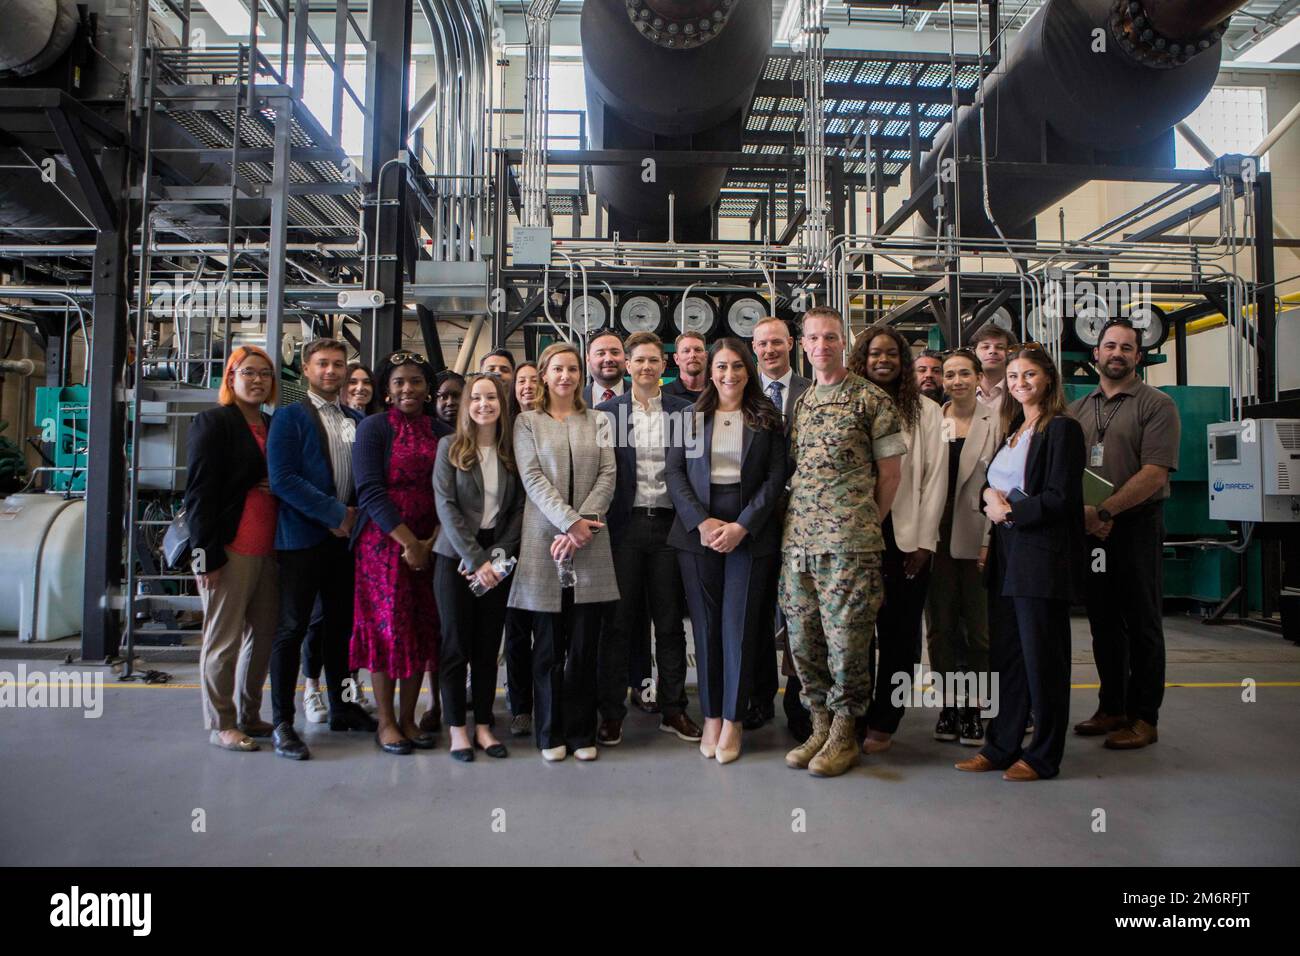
(176, 541)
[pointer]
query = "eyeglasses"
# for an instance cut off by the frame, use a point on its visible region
(248, 374)
(949, 353)
(403, 357)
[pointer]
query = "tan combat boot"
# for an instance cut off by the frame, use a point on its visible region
(799, 757)
(840, 752)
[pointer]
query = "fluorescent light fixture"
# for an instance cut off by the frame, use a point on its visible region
(1274, 45)
(231, 15)
(791, 22)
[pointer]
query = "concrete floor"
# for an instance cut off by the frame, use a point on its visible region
(1221, 787)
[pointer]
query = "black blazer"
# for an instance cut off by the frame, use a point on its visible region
(620, 509)
(1046, 554)
(762, 482)
(224, 462)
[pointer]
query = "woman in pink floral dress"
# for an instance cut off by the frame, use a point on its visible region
(395, 634)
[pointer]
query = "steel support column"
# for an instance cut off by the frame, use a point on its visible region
(1265, 283)
(105, 461)
(390, 31)
(278, 192)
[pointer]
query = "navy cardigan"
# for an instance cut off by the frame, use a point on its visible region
(370, 459)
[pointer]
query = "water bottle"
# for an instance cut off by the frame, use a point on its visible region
(568, 576)
(502, 566)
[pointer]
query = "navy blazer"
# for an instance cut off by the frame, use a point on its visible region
(371, 456)
(1046, 552)
(298, 463)
(762, 482)
(224, 463)
(620, 509)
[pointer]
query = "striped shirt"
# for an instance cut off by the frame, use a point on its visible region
(342, 432)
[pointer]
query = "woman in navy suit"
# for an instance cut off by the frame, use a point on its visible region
(725, 485)
(1035, 569)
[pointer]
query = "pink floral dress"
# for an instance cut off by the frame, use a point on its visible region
(396, 621)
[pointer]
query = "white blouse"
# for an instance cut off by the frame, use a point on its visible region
(728, 441)
(1007, 472)
(487, 459)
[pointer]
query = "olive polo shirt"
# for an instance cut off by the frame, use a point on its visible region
(1141, 427)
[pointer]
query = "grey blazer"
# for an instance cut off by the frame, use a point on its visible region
(543, 447)
(970, 529)
(458, 496)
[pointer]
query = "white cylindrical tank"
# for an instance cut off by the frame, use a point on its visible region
(42, 566)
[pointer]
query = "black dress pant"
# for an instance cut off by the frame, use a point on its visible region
(471, 637)
(766, 680)
(1125, 613)
(725, 595)
(1029, 658)
(323, 571)
(898, 633)
(564, 674)
(519, 661)
(645, 566)
(640, 659)
(312, 661)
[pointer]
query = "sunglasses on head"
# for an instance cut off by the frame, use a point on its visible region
(403, 357)
(1025, 347)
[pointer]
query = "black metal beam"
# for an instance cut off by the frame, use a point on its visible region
(390, 31)
(106, 423)
(1265, 282)
(99, 198)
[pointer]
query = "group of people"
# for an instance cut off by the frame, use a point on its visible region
(404, 523)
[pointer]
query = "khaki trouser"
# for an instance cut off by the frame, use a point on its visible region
(239, 618)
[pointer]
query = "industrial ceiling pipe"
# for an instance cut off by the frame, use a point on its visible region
(1070, 95)
(36, 33)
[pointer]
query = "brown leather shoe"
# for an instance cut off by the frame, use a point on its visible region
(682, 726)
(1141, 734)
(976, 764)
(1100, 723)
(1020, 772)
(610, 733)
(645, 706)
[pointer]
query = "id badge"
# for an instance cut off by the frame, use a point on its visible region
(1096, 455)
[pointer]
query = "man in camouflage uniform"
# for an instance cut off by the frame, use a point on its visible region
(846, 446)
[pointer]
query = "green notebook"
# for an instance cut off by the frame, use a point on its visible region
(1096, 489)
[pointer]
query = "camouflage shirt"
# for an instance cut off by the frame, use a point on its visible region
(839, 432)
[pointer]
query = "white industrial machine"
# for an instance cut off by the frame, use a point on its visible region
(1255, 470)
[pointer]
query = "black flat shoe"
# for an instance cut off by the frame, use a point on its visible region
(288, 743)
(423, 741)
(757, 715)
(431, 722)
(352, 717)
(497, 750)
(465, 755)
(401, 748)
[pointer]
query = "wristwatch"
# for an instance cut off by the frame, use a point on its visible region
(1104, 515)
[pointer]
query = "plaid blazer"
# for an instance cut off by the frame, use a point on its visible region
(544, 449)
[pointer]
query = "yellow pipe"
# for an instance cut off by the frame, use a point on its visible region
(1214, 321)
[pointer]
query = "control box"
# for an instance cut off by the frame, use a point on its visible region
(1255, 470)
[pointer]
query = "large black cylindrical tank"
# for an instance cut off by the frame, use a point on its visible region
(1063, 98)
(658, 79)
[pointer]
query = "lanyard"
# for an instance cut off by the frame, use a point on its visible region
(1103, 425)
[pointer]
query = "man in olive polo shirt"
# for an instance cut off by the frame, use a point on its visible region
(1132, 432)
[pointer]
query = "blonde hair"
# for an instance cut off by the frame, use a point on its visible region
(463, 452)
(543, 363)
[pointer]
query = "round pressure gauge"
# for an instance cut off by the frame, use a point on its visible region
(640, 313)
(587, 313)
(1149, 321)
(694, 314)
(1090, 315)
(1044, 324)
(744, 313)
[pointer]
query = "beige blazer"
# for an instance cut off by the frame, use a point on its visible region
(923, 488)
(970, 529)
(543, 449)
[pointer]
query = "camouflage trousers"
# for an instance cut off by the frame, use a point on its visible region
(830, 603)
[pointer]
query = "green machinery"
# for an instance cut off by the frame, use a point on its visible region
(63, 417)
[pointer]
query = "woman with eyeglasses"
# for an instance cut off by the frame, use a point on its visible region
(911, 530)
(956, 609)
(1034, 498)
(480, 511)
(395, 627)
(519, 623)
(231, 514)
(565, 454)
